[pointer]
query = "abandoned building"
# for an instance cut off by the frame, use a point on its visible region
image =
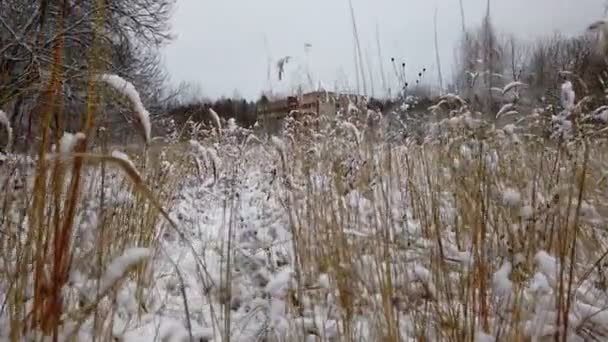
(318, 102)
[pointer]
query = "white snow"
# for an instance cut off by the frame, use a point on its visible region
(4, 121)
(213, 157)
(216, 119)
(567, 95)
(466, 152)
(509, 129)
(507, 107)
(483, 337)
(352, 108)
(539, 283)
(511, 197)
(348, 126)
(231, 127)
(324, 280)
(548, 265)
(68, 141)
(590, 214)
(120, 265)
(513, 85)
(511, 112)
(594, 314)
(603, 116)
(197, 146)
(453, 98)
(278, 144)
(422, 273)
(279, 283)
(501, 282)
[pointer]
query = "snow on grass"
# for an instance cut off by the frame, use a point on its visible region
(592, 313)
(539, 283)
(513, 85)
(509, 129)
(352, 108)
(507, 107)
(501, 282)
(349, 127)
(590, 214)
(278, 144)
(483, 337)
(511, 197)
(324, 281)
(67, 144)
(603, 115)
(466, 152)
(68, 141)
(279, 284)
(567, 95)
(216, 119)
(127, 88)
(6, 123)
(166, 329)
(548, 265)
(125, 158)
(385, 232)
(121, 265)
(231, 126)
(213, 157)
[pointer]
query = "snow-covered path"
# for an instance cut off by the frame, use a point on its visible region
(241, 210)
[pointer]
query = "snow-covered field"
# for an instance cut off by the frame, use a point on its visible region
(325, 232)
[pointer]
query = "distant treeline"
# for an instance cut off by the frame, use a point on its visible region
(243, 111)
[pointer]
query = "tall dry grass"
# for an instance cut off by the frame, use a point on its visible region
(477, 234)
(71, 212)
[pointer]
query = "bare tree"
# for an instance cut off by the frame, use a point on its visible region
(127, 38)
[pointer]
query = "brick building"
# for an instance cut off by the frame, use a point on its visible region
(319, 102)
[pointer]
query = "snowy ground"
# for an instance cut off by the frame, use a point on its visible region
(208, 214)
(333, 233)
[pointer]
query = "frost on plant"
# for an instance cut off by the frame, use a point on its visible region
(5, 122)
(68, 141)
(278, 144)
(513, 85)
(505, 109)
(126, 88)
(216, 119)
(567, 96)
(124, 157)
(511, 197)
(501, 282)
(121, 265)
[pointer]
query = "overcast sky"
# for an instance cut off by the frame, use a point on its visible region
(225, 46)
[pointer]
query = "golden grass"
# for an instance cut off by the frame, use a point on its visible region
(454, 194)
(416, 252)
